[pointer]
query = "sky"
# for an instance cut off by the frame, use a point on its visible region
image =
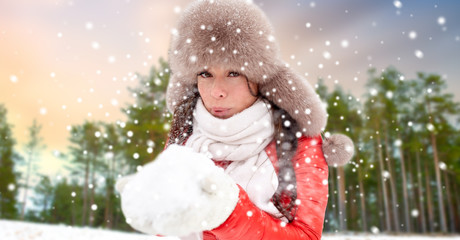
(66, 61)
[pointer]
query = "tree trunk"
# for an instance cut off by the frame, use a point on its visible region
(92, 193)
(442, 213)
(456, 204)
(429, 199)
(342, 198)
(404, 185)
(362, 196)
(392, 179)
(384, 188)
(85, 193)
(333, 192)
(449, 203)
(411, 191)
(420, 193)
(108, 214)
(26, 187)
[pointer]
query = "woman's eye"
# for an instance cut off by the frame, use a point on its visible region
(204, 74)
(233, 74)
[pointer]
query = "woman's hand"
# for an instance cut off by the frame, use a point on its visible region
(179, 193)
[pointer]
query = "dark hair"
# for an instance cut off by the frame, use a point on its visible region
(286, 129)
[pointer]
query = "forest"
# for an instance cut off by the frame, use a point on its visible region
(403, 178)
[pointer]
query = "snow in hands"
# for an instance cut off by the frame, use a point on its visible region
(179, 193)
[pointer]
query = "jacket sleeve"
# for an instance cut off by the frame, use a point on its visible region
(249, 222)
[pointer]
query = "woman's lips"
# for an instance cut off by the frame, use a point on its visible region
(220, 112)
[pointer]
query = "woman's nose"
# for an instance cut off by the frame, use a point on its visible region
(218, 89)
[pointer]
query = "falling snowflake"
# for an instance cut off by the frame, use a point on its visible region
(375, 230)
(89, 26)
(389, 94)
(43, 111)
(386, 174)
(111, 59)
(13, 78)
(177, 9)
(441, 20)
(430, 127)
(414, 213)
(397, 4)
(412, 35)
(373, 92)
(418, 54)
(95, 45)
(442, 165)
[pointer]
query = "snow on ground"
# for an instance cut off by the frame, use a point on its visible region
(15, 230)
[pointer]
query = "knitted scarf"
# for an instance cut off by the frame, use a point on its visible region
(241, 140)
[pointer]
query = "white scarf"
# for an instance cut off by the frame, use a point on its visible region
(241, 139)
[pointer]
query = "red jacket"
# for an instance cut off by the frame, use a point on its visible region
(312, 189)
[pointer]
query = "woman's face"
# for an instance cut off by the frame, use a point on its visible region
(225, 92)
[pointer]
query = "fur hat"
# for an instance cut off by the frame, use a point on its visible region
(237, 34)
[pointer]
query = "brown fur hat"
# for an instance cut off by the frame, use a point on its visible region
(237, 34)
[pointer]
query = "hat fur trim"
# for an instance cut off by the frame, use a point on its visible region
(238, 35)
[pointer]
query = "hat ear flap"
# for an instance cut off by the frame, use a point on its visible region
(289, 91)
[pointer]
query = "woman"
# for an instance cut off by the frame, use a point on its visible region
(235, 102)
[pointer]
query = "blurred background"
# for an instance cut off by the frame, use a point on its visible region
(81, 103)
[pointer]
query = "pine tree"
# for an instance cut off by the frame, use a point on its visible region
(148, 124)
(32, 149)
(8, 179)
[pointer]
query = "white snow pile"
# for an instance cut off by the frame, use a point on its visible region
(16, 230)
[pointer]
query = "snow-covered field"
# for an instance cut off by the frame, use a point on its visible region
(15, 230)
